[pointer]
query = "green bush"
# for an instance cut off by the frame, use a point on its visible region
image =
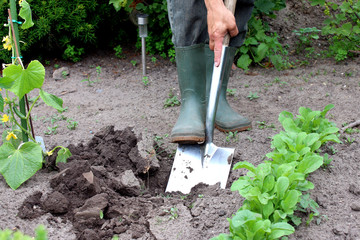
(64, 27)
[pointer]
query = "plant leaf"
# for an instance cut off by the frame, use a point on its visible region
(25, 80)
(310, 164)
(25, 13)
(52, 100)
(18, 165)
(280, 229)
(62, 155)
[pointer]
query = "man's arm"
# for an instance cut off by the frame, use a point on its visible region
(220, 22)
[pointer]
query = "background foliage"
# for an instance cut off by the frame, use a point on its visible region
(70, 25)
(71, 28)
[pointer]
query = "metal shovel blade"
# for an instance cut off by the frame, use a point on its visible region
(188, 169)
(205, 163)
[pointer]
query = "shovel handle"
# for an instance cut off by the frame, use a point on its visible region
(230, 5)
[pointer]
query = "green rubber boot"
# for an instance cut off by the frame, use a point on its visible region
(191, 68)
(227, 120)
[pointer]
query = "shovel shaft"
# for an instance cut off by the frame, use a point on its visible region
(216, 81)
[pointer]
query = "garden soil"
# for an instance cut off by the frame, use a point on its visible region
(114, 183)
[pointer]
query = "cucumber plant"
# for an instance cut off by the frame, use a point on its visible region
(20, 159)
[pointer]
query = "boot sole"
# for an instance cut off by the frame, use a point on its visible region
(240, 129)
(187, 139)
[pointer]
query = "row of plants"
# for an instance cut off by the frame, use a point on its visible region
(21, 155)
(7, 234)
(275, 189)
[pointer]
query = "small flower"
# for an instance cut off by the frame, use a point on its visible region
(5, 118)
(7, 44)
(49, 153)
(10, 135)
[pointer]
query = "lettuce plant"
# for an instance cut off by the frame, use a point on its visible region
(274, 188)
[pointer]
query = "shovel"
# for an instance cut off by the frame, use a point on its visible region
(204, 163)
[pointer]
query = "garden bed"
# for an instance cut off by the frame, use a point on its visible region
(114, 183)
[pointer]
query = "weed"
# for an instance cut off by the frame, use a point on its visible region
(230, 92)
(133, 62)
(306, 37)
(352, 130)
(246, 85)
(171, 101)
(349, 140)
(327, 160)
(101, 214)
(173, 213)
(153, 59)
(64, 74)
(89, 82)
(201, 196)
(98, 71)
(119, 52)
(232, 136)
(276, 80)
(252, 96)
(145, 81)
(71, 124)
(250, 139)
(56, 65)
(72, 53)
(333, 150)
(51, 130)
(263, 124)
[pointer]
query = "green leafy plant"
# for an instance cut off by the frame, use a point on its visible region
(89, 82)
(327, 160)
(306, 37)
(72, 124)
(273, 190)
(260, 44)
(232, 136)
(342, 27)
(72, 53)
(20, 158)
(171, 101)
(252, 96)
(40, 234)
(51, 130)
(230, 92)
(119, 52)
(98, 71)
(173, 213)
(145, 81)
(133, 62)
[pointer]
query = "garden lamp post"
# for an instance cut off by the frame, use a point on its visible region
(143, 33)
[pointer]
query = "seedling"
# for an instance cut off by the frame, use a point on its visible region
(101, 214)
(71, 124)
(56, 65)
(333, 150)
(250, 139)
(327, 160)
(263, 124)
(145, 81)
(119, 52)
(89, 82)
(232, 136)
(173, 213)
(171, 101)
(64, 74)
(98, 71)
(230, 92)
(51, 130)
(153, 59)
(352, 130)
(201, 196)
(133, 62)
(349, 140)
(253, 96)
(276, 80)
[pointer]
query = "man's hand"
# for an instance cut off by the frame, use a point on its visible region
(220, 22)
